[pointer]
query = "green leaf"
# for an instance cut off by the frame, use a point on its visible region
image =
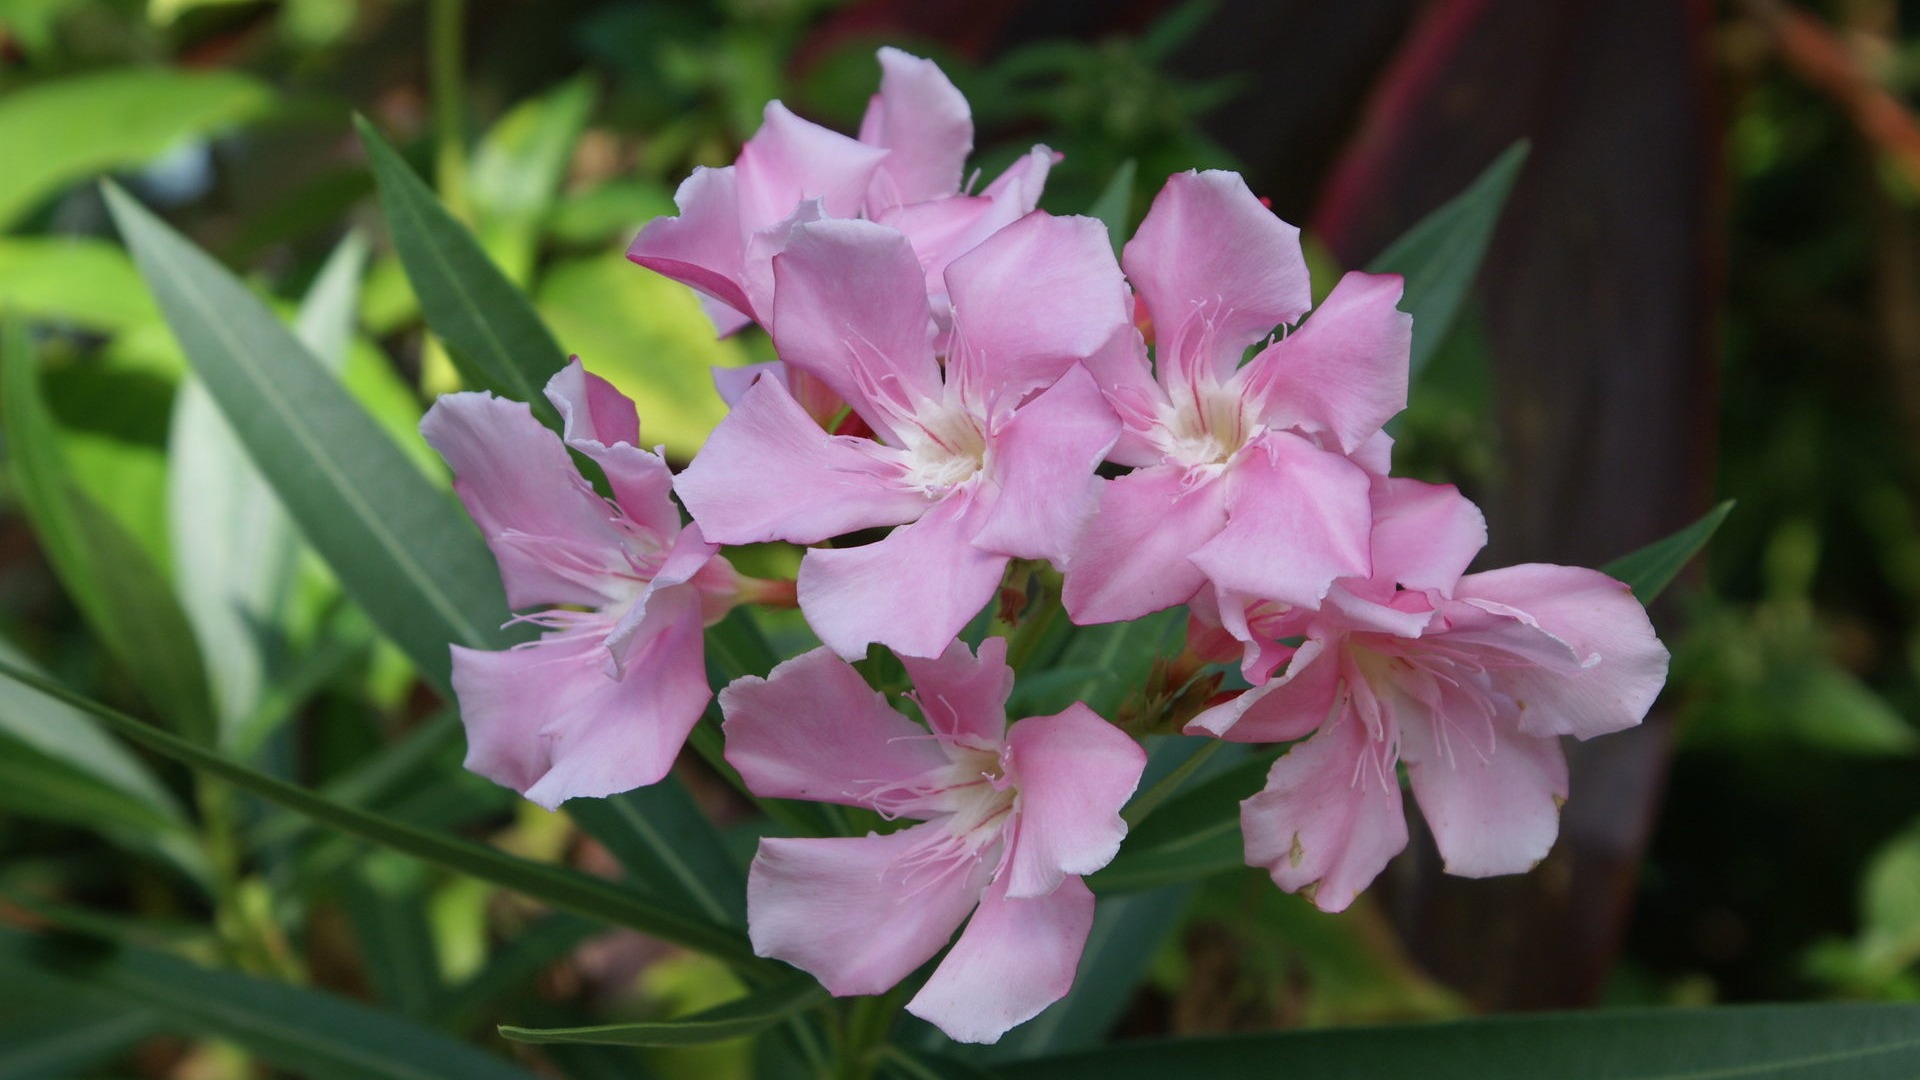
(385, 900)
(52, 1047)
(1116, 659)
(124, 596)
(74, 280)
(1114, 205)
(562, 888)
(401, 549)
(1890, 904)
(512, 968)
(647, 336)
(233, 544)
(669, 848)
(1775, 1042)
(518, 169)
(749, 1015)
(120, 117)
(1195, 835)
(484, 318)
(1440, 256)
(302, 1031)
(1651, 569)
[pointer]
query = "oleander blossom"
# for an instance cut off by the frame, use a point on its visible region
(1010, 818)
(602, 701)
(986, 457)
(904, 170)
(1468, 680)
(1253, 477)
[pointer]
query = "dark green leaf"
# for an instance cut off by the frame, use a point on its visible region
(483, 318)
(563, 888)
(512, 968)
(1194, 835)
(303, 1031)
(54, 1047)
(1114, 205)
(385, 899)
(669, 848)
(1774, 1042)
(1651, 569)
(400, 548)
(749, 1015)
(124, 596)
(1440, 256)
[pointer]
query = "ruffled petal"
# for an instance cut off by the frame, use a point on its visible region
(552, 536)
(1041, 464)
(1028, 303)
(860, 913)
(964, 695)
(1424, 535)
(1622, 663)
(1493, 809)
(813, 729)
(548, 721)
(790, 160)
(1343, 373)
(912, 591)
(1298, 518)
(926, 127)
(1015, 958)
(1133, 555)
(1074, 771)
(1330, 816)
(849, 308)
(704, 245)
(769, 473)
(1217, 272)
(600, 422)
(1281, 710)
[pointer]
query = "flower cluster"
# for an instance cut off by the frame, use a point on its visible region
(965, 381)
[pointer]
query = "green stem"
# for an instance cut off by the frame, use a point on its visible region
(868, 1020)
(445, 42)
(1147, 801)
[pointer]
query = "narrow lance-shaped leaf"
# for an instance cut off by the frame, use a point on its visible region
(233, 545)
(486, 321)
(401, 549)
(305, 1032)
(567, 889)
(123, 595)
(1651, 569)
(1114, 205)
(1774, 1042)
(68, 1044)
(749, 1015)
(1440, 256)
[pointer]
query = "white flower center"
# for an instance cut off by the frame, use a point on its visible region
(1207, 428)
(947, 448)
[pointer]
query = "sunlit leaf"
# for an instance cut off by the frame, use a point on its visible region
(72, 280)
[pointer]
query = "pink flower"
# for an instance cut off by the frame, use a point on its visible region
(603, 700)
(1010, 820)
(903, 170)
(985, 458)
(1253, 477)
(1470, 681)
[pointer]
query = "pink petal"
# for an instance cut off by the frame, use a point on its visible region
(1015, 958)
(769, 473)
(1217, 271)
(1133, 556)
(1493, 809)
(1029, 302)
(702, 247)
(691, 559)
(600, 422)
(1041, 463)
(1344, 372)
(731, 383)
(912, 591)
(790, 160)
(1608, 632)
(552, 536)
(1284, 709)
(1075, 771)
(851, 310)
(547, 720)
(1330, 816)
(924, 124)
(1126, 378)
(860, 914)
(1424, 535)
(963, 695)
(1298, 517)
(813, 729)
